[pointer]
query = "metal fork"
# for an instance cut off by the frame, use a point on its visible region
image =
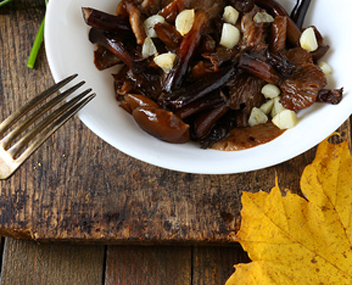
(14, 150)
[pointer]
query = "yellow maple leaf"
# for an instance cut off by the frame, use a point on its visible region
(292, 240)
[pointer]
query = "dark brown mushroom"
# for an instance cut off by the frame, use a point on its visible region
(168, 35)
(275, 9)
(162, 124)
(259, 68)
(301, 89)
(136, 20)
(104, 21)
(185, 53)
(244, 92)
(331, 96)
(103, 58)
(278, 31)
(299, 12)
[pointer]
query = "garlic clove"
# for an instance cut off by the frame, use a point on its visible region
(308, 40)
(148, 48)
(230, 15)
(286, 119)
(184, 21)
(257, 117)
(271, 91)
(165, 61)
(230, 36)
(149, 24)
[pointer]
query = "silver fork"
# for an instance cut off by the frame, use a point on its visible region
(14, 150)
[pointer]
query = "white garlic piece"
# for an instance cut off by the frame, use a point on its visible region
(267, 107)
(230, 36)
(257, 117)
(286, 119)
(149, 24)
(184, 21)
(263, 17)
(148, 48)
(230, 15)
(308, 40)
(165, 61)
(277, 108)
(325, 67)
(271, 91)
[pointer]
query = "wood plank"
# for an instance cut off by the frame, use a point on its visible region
(26, 262)
(79, 188)
(129, 265)
(214, 265)
(148, 265)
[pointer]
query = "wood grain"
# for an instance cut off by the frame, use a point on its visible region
(184, 265)
(79, 188)
(148, 265)
(214, 265)
(26, 262)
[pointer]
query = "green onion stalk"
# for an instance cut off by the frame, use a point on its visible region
(2, 3)
(37, 43)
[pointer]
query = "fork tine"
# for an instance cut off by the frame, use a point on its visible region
(66, 110)
(53, 127)
(7, 123)
(37, 114)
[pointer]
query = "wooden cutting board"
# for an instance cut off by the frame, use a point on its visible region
(78, 188)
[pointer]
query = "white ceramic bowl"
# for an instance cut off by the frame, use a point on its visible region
(69, 51)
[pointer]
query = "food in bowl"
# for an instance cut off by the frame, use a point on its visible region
(228, 74)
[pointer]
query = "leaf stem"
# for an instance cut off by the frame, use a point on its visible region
(37, 42)
(36, 45)
(4, 2)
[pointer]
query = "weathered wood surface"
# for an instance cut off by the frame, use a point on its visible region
(26, 262)
(158, 265)
(148, 265)
(214, 265)
(78, 188)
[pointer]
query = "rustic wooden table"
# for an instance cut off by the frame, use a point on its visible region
(81, 212)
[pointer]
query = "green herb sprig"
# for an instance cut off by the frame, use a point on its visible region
(2, 3)
(37, 43)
